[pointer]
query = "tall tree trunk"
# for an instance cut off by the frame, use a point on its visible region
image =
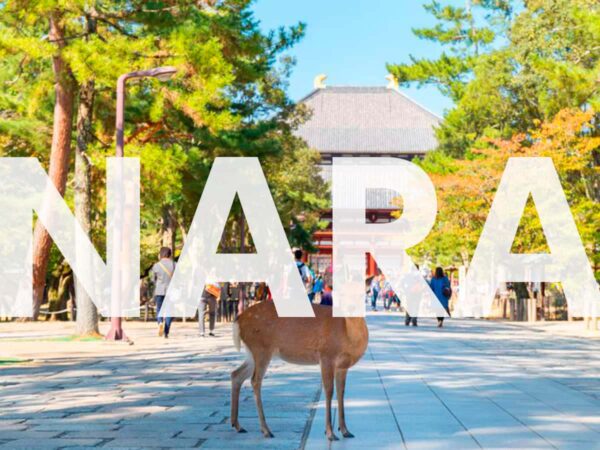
(182, 231)
(87, 314)
(168, 228)
(64, 90)
(242, 233)
(58, 295)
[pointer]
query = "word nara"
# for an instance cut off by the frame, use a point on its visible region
(113, 286)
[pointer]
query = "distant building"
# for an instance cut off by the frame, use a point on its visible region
(354, 121)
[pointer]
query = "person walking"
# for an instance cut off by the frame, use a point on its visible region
(388, 295)
(408, 319)
(375, 289)
(162, 272)
(208, 305)
(261, 291)
(318, 288)
(440, 284)
(304, 274)
(326, 297)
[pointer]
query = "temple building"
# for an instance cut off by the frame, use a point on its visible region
(353, 121)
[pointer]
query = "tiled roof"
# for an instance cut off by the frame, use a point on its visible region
(375, 198)
(367, 120)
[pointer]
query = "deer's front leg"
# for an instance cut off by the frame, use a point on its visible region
(261, 363)
(327, 374)
(238, 376)
(340, 387)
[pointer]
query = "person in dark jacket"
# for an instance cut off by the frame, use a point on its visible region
(440, 285)
(326, 297)
(208, 305)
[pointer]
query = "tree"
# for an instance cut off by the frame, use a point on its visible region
(467, 38)
(87, 314)
(12, 19)
(466, 188)
(540, 61)
(228, 98)
(299, 192)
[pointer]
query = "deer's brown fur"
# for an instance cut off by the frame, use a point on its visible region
(335, 343)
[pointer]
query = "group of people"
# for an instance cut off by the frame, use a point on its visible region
(381, 288)
(162, 273)
(317, 290)
(438, 282)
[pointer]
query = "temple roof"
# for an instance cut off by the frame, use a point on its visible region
(367, 120)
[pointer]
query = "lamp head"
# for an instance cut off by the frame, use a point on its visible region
(164, 73)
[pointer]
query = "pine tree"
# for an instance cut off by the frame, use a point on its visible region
(227, 98)
(507, 71)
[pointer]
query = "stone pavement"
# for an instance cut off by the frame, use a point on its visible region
(473, 384)
(155, 394)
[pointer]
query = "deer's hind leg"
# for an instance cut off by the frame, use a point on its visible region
(327, 375)
(238, 376)
(261, 363)
(340, 387)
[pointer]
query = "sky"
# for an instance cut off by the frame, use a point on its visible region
(352, 40)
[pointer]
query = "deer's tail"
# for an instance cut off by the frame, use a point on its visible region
(237, 341)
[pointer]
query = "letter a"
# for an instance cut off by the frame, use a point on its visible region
(200, 263)
(566, 263)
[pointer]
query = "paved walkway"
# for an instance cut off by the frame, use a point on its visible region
(474, 384)
(155, 394)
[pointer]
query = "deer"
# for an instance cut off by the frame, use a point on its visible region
(335, 343)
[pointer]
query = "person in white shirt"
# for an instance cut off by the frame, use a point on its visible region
(162, 272)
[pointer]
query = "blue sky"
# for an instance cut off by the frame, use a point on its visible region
(352, 40)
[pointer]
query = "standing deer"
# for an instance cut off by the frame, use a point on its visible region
(336, 343)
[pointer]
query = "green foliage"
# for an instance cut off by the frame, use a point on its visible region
(466, 189)
(505, 72)
(530, 236)
(465, 32)
(227, 99)
(523, 85)
(298, 191)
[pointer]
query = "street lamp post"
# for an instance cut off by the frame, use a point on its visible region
(116, 332)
